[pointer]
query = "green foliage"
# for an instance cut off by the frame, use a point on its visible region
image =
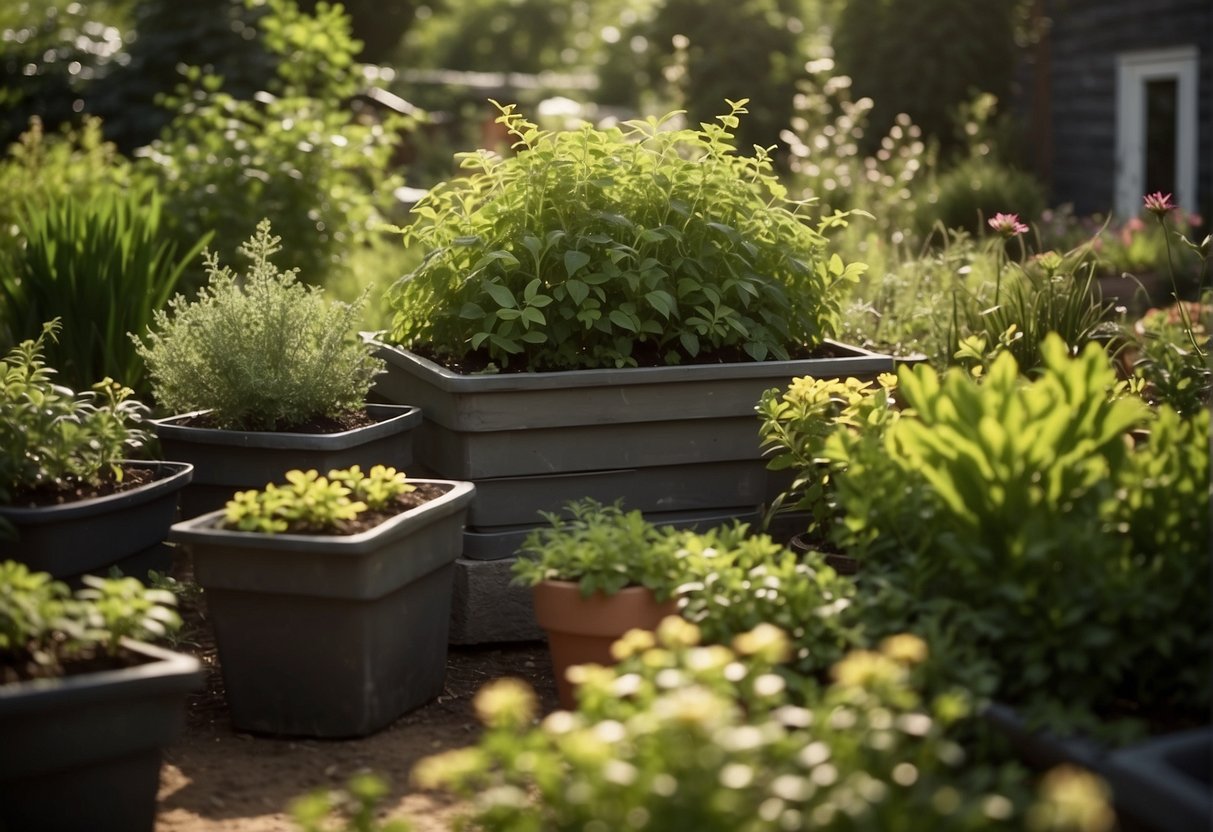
(291, 152)
(53, 439)
(1163, 356)
(593, 247)
(681, 736)
(1022, 517)
(260, 351)
(42, 624)
(1050, 293)
(309, 503)
(975, 189)
(736, 581)
(795, 424)
(927, 57)
(104, 264)
(355, 808)
(600, 547)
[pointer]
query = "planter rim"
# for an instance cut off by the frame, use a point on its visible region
(203, 529)
(179, 476)
(858, 360)
(396, 418)
(166, 669)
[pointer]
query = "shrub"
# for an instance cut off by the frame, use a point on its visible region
(103, 264)
(53, 439)
(609, 247)
(260, 351)
(681, 736)
(975, 189)
(291, 151)
(1021, 517)
(1162, 354)
(42, 625)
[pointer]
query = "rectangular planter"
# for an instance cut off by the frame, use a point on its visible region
(74, 539)
(331, 636)
(227, 461)
(83, 752)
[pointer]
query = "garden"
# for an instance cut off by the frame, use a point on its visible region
(551, 414)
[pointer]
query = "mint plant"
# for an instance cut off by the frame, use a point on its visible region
(309, 503)
(42, 625)
(613, 247)
(260, 350)
(53, 439)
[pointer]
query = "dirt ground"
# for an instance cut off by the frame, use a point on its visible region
(216, 780)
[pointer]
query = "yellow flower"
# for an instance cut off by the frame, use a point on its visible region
(505, 703)
(766, 642)
(632, 642)
(905, 648)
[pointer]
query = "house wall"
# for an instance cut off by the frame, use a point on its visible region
(1084, 40)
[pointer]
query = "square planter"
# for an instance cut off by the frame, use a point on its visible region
(331, 635)
(122, 529)
(227, 461)
(83, 752)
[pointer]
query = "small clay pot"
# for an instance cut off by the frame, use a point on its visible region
(582, 630)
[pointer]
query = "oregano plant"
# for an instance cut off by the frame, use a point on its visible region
(613, 247)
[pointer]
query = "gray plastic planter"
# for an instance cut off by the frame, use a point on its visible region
(83, 752)
(1163, 784)
(227, 461)
(515, 424)
(92, 535)
(331, 636)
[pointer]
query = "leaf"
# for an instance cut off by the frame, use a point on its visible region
(578, 291)
(471, 311)
(623, 321)
(661, 301)
(574, 261)
(501, 295)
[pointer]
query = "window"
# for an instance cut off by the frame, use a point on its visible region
(1156, 123)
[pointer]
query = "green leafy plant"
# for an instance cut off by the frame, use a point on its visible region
(736, 581)
(973, 190)
(795, 424)
(1024, 518)
(354, 807)
(53, 439)
(612, 247)
(602, 548)
(291, 151)
(42, 625)
(1159, 351)
(103, 263)
(309, 503)
(259, 351)
(682, 736)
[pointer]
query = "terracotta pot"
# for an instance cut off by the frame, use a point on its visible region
(582, 630)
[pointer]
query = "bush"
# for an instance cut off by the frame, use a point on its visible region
(609, 247)
(260, 351)
(102, 263)
(54, 440)
(1023, 518)
(976, 189)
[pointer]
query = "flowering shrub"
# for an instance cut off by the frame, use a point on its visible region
(682, 736)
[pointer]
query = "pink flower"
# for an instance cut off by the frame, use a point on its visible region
(1008, 225)
(1158, 203)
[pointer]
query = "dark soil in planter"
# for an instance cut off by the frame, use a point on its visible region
(91, 661)
(350, 420)
(216, 780)
(132, 477)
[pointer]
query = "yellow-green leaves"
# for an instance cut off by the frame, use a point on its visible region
(310, 503)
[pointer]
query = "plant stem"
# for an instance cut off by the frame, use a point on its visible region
(1183, 310)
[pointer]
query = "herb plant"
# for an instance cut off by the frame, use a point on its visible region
(1026, 518)
(602, 548)
(53, 439)
(311, 503)
(260, 351)
(42, 624)
(682, 736)
(613, 247)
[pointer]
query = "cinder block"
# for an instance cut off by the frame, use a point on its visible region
(487, 608)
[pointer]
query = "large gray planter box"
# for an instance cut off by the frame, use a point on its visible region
(89, 536)
(83, 752)
(227, 461)
(331, 636)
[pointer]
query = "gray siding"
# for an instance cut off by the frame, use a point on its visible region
(1085, 38)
